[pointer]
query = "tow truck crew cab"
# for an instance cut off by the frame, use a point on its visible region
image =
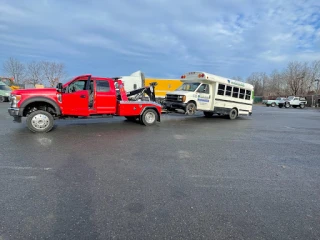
(83, 96)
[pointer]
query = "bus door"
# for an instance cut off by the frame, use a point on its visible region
(204, 98)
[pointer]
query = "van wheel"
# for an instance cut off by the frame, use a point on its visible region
(233, 114)
(40, 121)
(190, 108)
(149, 117)
(208, 114)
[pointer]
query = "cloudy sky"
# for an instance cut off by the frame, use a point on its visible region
(162, 38)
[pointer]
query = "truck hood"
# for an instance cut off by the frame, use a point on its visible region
(179, 92)
(36, 91)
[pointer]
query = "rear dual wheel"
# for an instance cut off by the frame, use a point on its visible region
(149, 117)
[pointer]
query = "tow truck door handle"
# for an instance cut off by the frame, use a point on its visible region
(82, 96)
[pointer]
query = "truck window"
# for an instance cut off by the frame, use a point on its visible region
(204, 88)
(103, 86)
(77, 86)
(191, 87)
(235, 92)
(228, 91)
(242, 93)
(221, 88)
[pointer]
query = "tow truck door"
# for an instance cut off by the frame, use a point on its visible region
(75, 101)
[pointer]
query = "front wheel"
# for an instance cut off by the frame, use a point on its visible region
(273, 104)
(233, 114)
(149, 117)
(302, 105)
(190, 108)
(40, 121)
(287, 105)
(2, 99)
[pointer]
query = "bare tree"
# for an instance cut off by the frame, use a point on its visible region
(277, 84)
(53, 72)
(313, 73)
(295, 75)
(35, 72)
(259, 80)
(14, 68)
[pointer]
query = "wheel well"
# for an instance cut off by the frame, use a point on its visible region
(192, 102)
(31, 107)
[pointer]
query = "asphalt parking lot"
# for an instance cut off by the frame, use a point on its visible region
(255, 177)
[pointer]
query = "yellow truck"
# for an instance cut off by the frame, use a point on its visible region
(138, 80)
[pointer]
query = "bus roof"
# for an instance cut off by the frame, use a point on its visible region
(208, 77)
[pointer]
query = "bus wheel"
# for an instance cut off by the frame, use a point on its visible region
(190, 108)
(208, 114)
(233, 114)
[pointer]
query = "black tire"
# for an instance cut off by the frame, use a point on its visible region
(273, 104)
(2, 98)
(190, 108)
(149, 117)
(208, 114)
(233, 114)
(280, 105)
(287, 105)
(302, 105)
(38, 117)
(268, 105)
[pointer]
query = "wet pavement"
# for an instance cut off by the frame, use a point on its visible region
(255, 177)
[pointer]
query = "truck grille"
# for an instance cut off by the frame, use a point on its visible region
(172, 98)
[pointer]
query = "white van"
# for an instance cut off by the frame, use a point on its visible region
(211, 94)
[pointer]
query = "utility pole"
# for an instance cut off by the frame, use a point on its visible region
(317, 92)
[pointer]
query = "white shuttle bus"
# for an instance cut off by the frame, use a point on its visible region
(211, 94)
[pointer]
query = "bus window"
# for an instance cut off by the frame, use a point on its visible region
(248, 94)
(228, 91)
(242, 93)
(235, 92)
(221, 89)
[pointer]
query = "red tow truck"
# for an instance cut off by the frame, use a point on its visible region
(83, 96)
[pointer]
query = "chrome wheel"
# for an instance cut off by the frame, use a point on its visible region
(40, 121)
(191, 109)
(150, 117)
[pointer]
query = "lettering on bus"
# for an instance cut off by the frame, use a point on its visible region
(240, 84)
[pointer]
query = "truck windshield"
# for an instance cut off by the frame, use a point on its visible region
(278, 98)
(5, 88)
(191, 87)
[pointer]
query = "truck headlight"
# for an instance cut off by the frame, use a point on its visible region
(14, 100)
(182, 98)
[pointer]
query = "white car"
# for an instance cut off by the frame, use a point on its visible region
(274, 102)
(293, 101)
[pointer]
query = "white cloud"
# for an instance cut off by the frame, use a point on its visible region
(226, 37)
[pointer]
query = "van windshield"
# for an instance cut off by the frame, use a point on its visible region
(5, 88)
(191, 87)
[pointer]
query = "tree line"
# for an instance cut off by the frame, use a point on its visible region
(35, 72)
(297, 78)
